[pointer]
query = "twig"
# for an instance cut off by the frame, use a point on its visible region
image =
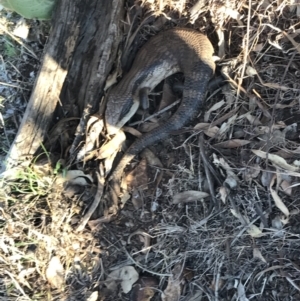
(157, 113)
(246, 52)
(218, 279)
(97, 199)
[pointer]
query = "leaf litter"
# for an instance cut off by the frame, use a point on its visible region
(240, 243)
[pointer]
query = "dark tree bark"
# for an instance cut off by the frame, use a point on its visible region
(77, 60)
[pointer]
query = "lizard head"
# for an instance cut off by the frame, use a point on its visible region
(119, 109)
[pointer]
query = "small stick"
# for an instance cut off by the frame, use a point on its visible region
(96, 201)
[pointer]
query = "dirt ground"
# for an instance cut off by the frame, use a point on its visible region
(211, 213)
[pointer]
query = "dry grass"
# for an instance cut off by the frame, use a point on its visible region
(244, 247)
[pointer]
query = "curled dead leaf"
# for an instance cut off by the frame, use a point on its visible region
(278, 161)
(144, 289)
(189, 196)
(138, 177)
(174, 287)
(94, 128)
(113, 145)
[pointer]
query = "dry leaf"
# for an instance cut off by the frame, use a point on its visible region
(24, 274)
(144, 289)
(253, 119)
(250, 71)
(151, 158)
(225, 127)
(241, 292)
(189, 196)
(257, 254)
(282, 106)
(280, 162)
(233, 143)
(132, 131)
(251, 229)
(213, 285)
(148, 126)
(215, 107)
(266, 177)
(55, 273)
(232, 180)
(93, 296)
(126, 275)
(94, 128)
(223, 193)
(278, 202)
(112, 146)
(138, 177)
(75, 177)
(277, 223)
(251, 172)
(168, 96)
(286, 187)
(207, 129)
(22, 29)
(258, 47)
(173, 290)
(108, 162)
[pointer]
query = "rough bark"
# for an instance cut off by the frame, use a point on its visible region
(77, 59)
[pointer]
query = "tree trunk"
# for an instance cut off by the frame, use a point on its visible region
(77, 59)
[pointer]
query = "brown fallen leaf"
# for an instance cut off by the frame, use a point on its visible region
(151, 158)
(132, 131)
(208, 130)
(233, 143)
(144, 289)
(138, 177)
(175, 284)
(286, 187)
(114, 144)
(168, 96)
(148, 126)
(251, 172)
(189, 196)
